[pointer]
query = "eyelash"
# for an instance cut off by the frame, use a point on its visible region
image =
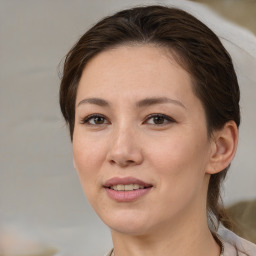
(166, 118)
(169, 119)
(87, 119)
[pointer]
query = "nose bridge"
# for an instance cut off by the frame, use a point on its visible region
(122, 132)
(124, 146)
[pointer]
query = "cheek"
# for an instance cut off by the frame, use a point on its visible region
(181, 161)
(88, 156)
(180, 172)
(87, 150)
(178, 150)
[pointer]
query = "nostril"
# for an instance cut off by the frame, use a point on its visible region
(112, 162)
(122, 163)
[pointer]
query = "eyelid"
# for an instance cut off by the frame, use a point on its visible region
(166, 117)
(86, 119)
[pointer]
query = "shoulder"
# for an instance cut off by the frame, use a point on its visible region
(235, 245)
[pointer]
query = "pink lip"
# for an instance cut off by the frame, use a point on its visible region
(125, 181)
(126, 196)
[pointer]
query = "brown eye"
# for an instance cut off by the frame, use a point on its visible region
(95, 120)
(159, 119)
(98, 120)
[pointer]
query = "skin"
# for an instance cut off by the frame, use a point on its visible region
(175, 156)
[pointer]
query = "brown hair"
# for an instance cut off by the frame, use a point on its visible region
(193, 45)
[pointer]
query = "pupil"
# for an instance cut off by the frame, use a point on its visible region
(98, 120)
(158, 119)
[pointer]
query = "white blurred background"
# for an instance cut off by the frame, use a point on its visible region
(41, 200)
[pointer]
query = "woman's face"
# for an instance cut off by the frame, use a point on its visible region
(140, 142)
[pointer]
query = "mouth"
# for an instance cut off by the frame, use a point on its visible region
(126, 184)
(126, 189)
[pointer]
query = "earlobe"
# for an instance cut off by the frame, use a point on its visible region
(224, 144)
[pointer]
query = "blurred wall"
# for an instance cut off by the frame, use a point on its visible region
(241, 12)
(40, 194)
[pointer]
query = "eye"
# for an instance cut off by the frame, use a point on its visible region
(159, 119)
(94, 119)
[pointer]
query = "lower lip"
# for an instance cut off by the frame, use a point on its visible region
(126, 196)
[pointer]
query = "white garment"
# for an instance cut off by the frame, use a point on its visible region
(233, 244)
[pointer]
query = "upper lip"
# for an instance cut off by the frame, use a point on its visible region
(125, 181)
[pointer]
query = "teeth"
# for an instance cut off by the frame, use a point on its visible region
(119, 187)
(128, 187)
(136, 186)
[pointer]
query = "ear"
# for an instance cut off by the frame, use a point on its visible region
(223, 148)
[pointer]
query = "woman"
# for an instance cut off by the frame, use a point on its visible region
(151, 99)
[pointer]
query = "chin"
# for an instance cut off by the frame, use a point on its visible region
(130, 224)
(132, 230)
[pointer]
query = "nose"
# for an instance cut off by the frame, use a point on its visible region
(125, 150)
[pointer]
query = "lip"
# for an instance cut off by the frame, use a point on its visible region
(125, 181)
(126, 196)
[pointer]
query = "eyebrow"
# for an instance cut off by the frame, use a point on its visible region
(158, 100)
(95, 101)
(142, 103)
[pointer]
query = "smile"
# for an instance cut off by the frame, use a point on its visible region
(129, 187)
(126, 189)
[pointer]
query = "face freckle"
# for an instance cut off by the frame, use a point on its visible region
(128, 87)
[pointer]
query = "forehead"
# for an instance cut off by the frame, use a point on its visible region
(134, 68)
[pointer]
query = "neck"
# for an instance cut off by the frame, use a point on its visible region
(186, 242)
